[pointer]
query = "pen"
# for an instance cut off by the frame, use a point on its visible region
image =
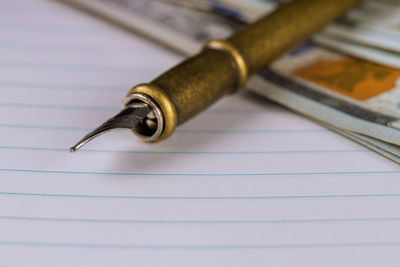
(153, 110)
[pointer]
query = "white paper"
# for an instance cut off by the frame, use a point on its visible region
(246, 183)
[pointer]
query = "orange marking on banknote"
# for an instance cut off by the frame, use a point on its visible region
(353, 77)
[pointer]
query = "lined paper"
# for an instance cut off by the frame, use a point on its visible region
(246, 183)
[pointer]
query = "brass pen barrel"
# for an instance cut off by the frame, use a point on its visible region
(199, 81)
(223, 66)
(292, 24)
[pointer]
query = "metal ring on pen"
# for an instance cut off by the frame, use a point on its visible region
(238, 58)
(162, 107)
(143, 130)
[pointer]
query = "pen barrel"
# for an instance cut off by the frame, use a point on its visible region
(189, 88)
(223, 66)
(287, 27)
(198, 82)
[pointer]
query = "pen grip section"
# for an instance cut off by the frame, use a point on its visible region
(198, 82)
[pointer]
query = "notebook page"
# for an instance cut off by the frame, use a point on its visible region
(246, 183)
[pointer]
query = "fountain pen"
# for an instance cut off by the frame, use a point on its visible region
(153, 110)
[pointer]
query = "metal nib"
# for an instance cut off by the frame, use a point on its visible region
(128, 118)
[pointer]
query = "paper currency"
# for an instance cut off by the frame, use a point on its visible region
(354, 97)
(182, 29)
(345, 92)
(371, 31)
(239, 9)
(385, 57)
(373, 24)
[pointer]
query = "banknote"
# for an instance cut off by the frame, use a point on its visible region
(243, 10)
(367, 23)
(182, 29)
(345, 92)
(372, 24)
(355, 97)
(388, 150)
(376, 15)
(371, 31)
(385, 57)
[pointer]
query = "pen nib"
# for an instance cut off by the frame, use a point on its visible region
(128, 118)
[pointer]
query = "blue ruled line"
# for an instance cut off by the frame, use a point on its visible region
(54, 86)
(73, 48)
(270, 131)
(199, 174)
(188, 152)
(51, 106)
(77, 67)
(285, 221)
(196, 247)
(57, 28)
(47, 127)
(182, 131)
(75, 107)
(200, 197)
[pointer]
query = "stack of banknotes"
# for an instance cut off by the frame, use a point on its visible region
(347, 77)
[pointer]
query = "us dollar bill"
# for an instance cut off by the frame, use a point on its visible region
(374, 24)
(345, 92)
(369, 53)
(354, 97)
(371, 31)
(182, 29)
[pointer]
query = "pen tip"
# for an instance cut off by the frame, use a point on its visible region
(128, 118)
(77, 146)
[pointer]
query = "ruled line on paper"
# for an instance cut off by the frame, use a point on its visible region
(120, 221)
(197, 247)
(270, 131)
(267, 131)
(57, 106)
(54, 86)
(68, 48)
(10, 7)
(87, 107)
(83, 67)
(388, 195)
(59, 29)
(190, 152)
(201, 174)
(44, 127)
(15, 28)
